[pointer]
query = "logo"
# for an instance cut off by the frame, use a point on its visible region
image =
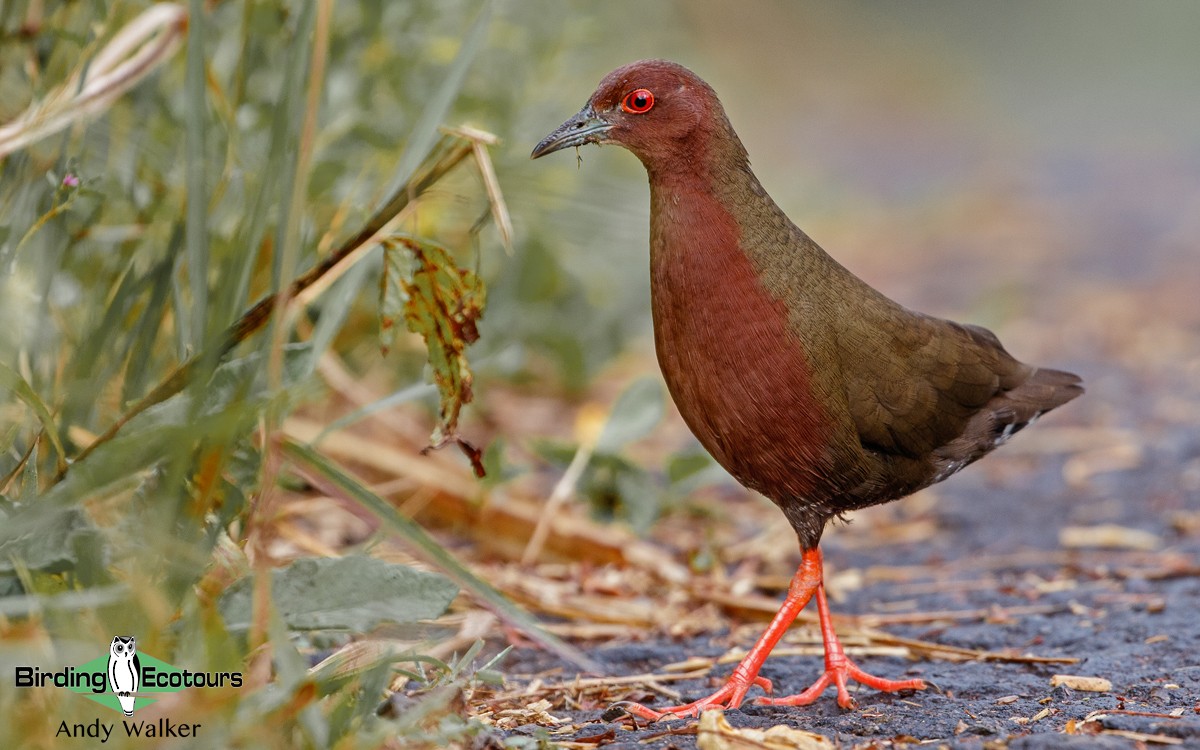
(124, 671)
(124, 680)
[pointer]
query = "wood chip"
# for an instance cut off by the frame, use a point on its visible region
(1077, 682)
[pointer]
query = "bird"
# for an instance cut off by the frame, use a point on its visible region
(124, 671)
(805, 383)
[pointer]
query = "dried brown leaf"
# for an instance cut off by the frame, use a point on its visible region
(716, 733)
(1079, 682)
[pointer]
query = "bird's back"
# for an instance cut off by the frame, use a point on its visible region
(925, 396)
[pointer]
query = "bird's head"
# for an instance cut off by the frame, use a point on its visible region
(659, 110)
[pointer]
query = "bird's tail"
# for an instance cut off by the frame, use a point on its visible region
(1047, 389)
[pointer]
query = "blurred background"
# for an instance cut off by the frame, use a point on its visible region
(1032, 167)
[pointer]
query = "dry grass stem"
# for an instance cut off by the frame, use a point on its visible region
(134, 52)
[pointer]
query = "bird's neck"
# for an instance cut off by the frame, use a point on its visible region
(706, 205)
(731, 347)
(695, 230)
(711, 159)
(708, 210)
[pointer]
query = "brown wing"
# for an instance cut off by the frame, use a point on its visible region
(918, 381)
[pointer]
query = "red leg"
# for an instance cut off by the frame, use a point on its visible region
(838, 667)
(745, 675)
(806, 582)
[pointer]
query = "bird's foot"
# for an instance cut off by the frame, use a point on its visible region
(837, 671)
(729, 696)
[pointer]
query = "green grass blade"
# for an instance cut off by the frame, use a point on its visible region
(326, 473)
(69, 601)
(292, 101)
(402, 396)
(336, 305)
(138, 368)
(425, 131)
(13, 381)
(196, 245)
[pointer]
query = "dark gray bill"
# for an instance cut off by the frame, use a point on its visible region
(584, 127)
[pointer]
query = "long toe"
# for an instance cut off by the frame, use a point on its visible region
(730, 696)
(838, 675)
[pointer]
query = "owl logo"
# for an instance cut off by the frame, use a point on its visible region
(124, 670)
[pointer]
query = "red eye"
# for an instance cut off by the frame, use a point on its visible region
(638, 102)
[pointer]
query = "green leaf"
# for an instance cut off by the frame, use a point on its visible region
(556, 452)
(638, 410)
(151, 319)
(639, 497)
(350, 593)
(231, 404)
(54, 548)
(90, 363)
(239, 381)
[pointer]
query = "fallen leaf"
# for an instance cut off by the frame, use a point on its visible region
(1077, 682)
(716, 733)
